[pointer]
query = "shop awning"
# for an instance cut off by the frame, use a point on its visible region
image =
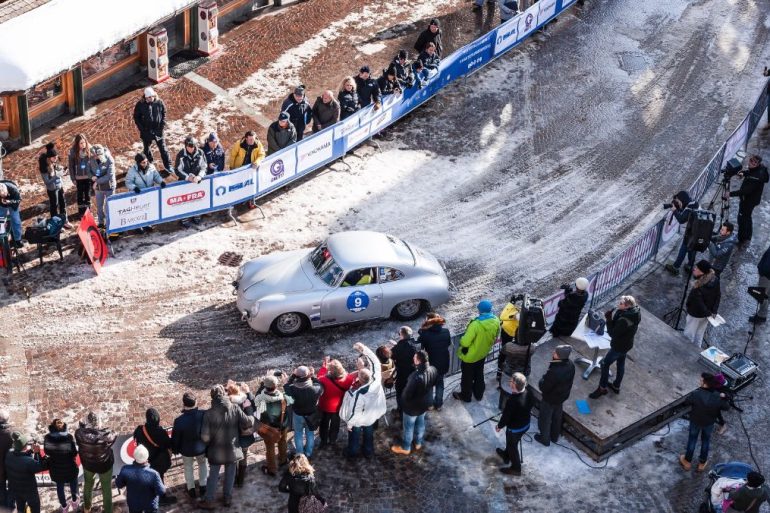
(53, 38)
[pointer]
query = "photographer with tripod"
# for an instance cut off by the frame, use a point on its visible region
(750, 194)
(682, 208)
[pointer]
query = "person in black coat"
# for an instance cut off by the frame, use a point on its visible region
(750, 194)
(434, 337)
(61, 452)
(388, 83)
(763, 269)
(402, 354)
(416, 399)
(515, 420)
(21, 465)
(682, 208)
(432, 34)
(299, 481)
(348, 98)
(150, 119)
(305, 390)
(706, 404)
(570, 308)
(702, 302)
(299, 110)
(6, 442)
(555, 387)
(403, 70)
(622, 325)
(186, 440)
(156, 440)
(367, 88)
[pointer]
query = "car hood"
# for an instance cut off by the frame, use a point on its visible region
(277, 273)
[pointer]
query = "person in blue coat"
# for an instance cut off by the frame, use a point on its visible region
(143, 484)
(214, 153)
(186, 440)
(434, 338)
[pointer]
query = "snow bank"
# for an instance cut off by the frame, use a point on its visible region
(26, 61)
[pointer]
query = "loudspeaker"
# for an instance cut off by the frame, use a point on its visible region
(531, 321)
(700, 228)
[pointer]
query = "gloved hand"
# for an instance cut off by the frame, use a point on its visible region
(464, 350)
(137, 190)
(162, 185)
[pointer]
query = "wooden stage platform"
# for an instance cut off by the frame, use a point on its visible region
(661, 370)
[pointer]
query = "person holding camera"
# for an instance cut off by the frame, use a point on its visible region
(570, 308)
(95, 448)
(702, 302)
(515, 419)
(750, 194)
(186, 440)
(682, 207)
(271, 408)
(21, 465)
(144, 486)
(435, 338)
(722, 246)
(622, 325)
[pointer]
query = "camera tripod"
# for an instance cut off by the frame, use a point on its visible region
(673, 316)
(723, 194)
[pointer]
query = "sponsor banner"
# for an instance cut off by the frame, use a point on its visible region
(276, 169)
(92, 240)
(380, 121)
(528, 21)
(670, 228)
(184, 198)
(471, 57)
(357, 136)
(127, 211)
(547, 9)
(566, 3)
(506, 35)
(235, 187)
(315, 150)
(736, 141)
(346, 126)
(390, 100)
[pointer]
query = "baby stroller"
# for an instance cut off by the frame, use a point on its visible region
(723, 477)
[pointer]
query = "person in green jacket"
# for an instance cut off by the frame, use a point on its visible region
(475, 344)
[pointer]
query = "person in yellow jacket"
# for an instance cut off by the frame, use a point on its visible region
(248, 150)
(475, 344)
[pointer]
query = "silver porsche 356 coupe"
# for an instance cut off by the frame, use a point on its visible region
(350, 277)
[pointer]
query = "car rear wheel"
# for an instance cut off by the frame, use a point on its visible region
(289, 324)
(408, 310)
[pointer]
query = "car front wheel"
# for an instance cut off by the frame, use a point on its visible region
(408, 310)
(289, 324)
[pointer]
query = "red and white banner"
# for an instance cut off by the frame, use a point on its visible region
(184, 198)
(92, 240)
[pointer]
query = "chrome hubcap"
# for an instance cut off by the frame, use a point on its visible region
(289, 323)
(408, 308)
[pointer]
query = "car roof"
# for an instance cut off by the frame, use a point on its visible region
(356, 249)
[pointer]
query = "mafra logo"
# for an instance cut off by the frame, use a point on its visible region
(186, 198)
(276, 169)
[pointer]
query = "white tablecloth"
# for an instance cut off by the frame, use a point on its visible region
(593, 340)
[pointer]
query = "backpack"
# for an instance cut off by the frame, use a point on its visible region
(595, 322)
(54, 226)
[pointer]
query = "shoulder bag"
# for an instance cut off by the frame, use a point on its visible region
(269, 433)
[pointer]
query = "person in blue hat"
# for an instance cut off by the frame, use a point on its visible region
(475, 344)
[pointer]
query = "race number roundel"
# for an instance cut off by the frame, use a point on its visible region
(358, 301)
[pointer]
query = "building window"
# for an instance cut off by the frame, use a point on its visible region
(3, 101)
(109, 58)
(45, 90)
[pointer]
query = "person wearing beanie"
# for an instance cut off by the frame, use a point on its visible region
(570, 308)
(367, 88)
(750, 194)
(475, 344)
(21, 465)
(555, 387)
(280, 134)
(403, 70)
(622, 325)
(702, 302)
(705, 405)
(214, 153)
(750, 496)
(186, 440)
(326, 111)
(61, 452)
(53, 174)
(515, 419)
(305, 390)
(436, 340)
(144, 486)
(271, 408)
(403, 358)
(150, 119)
(95, 448)
(416, 399)
(156, 440)
(682, 208)
(299, 110)
(432, 34)
(247, 151)
(102, 169)
(6, 443)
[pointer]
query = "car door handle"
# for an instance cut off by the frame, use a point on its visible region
(376, 297)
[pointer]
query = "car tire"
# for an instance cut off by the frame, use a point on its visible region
(289, 324)
(408, 310)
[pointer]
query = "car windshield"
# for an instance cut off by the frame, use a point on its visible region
(325, 266)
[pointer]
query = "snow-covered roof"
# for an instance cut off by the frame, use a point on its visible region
(56, 36)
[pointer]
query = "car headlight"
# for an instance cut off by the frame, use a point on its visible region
(254, 310)
(240, 274)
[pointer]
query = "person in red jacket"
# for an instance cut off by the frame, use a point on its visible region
(336, 381)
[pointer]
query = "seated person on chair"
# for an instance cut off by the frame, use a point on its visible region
(10, 199)
(357, 277)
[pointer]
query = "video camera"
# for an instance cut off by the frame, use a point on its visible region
(674, 203)
(732, 168)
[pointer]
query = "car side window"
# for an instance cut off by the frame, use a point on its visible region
(364, 276)
(388, 274)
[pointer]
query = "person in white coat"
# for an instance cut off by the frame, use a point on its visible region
(363, 404)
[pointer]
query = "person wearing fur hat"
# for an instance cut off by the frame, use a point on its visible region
(21, 465)
(95, 447)
(6, 442)
(144, 486)
(299, 110)
(702, 302)
(155, 438)
(705, 405)
(682, 207)
(280, 134)
(555, 387)
(102, 169)
(750, 496)
(61, 452)
(475, 344)
(53, 175)
(305, 390)
(570, 308)
(271, 408)
(150, 119)
(435, 339)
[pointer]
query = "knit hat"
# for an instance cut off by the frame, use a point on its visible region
(141, 454)
(755, 479)
(364, 69)
(703, 266)
(435, 22)
(283, 116)
(20, 441)
(149, 91)
(270, 382)
(189, 140)
(302, 372)
(140, 157)
(300, 90)
(581, 283)
(212, 137)
(563, 351)
(485, 306)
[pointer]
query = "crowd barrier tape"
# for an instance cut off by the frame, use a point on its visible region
(129, 211)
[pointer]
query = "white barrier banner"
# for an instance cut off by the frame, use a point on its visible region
(277, 169)
(133, 210)
(507, 35)
(381, 120)
(528, 21)
(547, 9)
(670, 228)
(736, 141)
(186, 198)
(315, 150)
(357, 136)
(234, 187)
(390, 100)
(346, 126)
